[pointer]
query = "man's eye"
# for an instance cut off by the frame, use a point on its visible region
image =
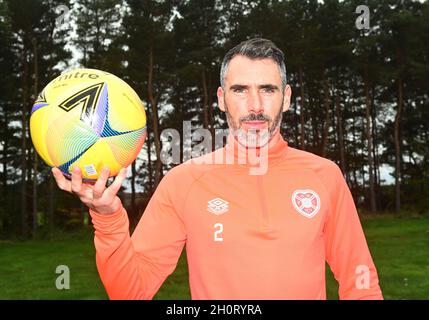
(239, 90)
(268, 90)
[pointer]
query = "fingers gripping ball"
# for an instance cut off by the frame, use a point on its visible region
(90, 119)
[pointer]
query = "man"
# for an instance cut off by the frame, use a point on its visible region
(247, 236)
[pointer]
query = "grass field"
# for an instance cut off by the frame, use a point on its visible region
(399, 246)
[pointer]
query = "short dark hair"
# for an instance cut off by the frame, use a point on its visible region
(256, 48)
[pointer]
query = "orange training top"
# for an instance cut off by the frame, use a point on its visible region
(264, 236)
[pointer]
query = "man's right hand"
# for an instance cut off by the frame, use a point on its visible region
(96, 197)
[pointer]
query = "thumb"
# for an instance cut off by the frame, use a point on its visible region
(113, 189)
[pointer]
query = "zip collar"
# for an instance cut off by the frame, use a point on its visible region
(251, 157)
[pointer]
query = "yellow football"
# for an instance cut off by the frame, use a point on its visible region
(90, 119)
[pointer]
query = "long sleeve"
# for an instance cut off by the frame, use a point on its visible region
(135, 267)
(347, 252)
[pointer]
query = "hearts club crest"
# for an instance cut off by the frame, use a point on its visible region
(306, 202)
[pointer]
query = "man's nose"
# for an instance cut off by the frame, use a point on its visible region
(255, 102)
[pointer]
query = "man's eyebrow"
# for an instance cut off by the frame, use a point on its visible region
(261, 86)
(268, 86)
(238, 87)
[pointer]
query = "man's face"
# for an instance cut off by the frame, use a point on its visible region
(253, 99)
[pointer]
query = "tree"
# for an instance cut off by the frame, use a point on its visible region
(97, 24)
(8, 113)
(33, 24)
(148, 60)
(400, 43)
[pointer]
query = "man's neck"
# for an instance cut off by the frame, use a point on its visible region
(274, 140)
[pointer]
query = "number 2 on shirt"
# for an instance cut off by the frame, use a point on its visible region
(218, 232)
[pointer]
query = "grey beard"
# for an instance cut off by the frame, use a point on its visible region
(250, 139)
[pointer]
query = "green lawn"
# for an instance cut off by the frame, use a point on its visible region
(399, 246)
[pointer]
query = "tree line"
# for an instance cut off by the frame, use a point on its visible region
(359, 98)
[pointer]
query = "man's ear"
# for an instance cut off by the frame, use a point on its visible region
(286, 98)
(220, 99)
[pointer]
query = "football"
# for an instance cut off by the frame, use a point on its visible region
(90, 119)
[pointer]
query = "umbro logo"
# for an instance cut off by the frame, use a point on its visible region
(217, 206)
